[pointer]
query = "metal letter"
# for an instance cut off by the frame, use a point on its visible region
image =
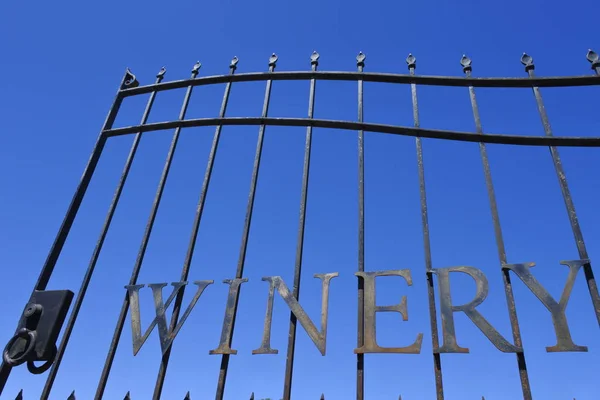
(232, 299)
(166, 336)
(318, 338)
(564, 342)
(371, 309)
(448, 331)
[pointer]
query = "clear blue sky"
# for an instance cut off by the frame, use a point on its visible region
(62, 63)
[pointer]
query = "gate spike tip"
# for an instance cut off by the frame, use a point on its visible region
(161, 73)
(19, 395)
(234, 62)
(314, 57)
(273, 59)
(187, 396)
(399, 397)
(465, 61)
(411, 61)
(72, 396)
(252, 396)
(527, 61)
(360, 59)
(196, 67)
(322, 396)
(127, 397)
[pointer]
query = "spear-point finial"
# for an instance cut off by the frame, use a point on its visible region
(161, 73)
(19, 395)
(273, 60)
(466, 63)
(187, 396)
(72, 396)
(360, 59)
(482, 397)
(252, 396)
(196, 67)
(593, 58)
(399, 397)
(527, 61)
(322, 396)
(314, 58)
(130, 80)
(234, 62)
(127, 397)
(411, 61)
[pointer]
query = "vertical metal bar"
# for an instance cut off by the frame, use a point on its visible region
(289, 362)
(527, 61)
(94, 259)
(510, 298)
(160, 379)
(437, 361)
(360, 358)
(128, 81)
(250, 207)
(138, 263)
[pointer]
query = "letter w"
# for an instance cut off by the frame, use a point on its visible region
(166, 335)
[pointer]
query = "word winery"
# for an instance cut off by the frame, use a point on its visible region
(47, 321)
(564, 342)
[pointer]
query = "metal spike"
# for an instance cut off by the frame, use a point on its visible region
(273, 59)
(527, 61)
(252, 396)
(314, 58)
(234, 62)
(466, 63)
(130, 80)
(19, 395)
(127, 397)
(411, 61)
(399, 397)
(196, 67)
(322, 396)
(360, 59)
(592, 56)
(187, 396)
(72, 396)
(161, 73)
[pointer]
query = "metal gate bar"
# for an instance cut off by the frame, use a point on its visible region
(129, 87)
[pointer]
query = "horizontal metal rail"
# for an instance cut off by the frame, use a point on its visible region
(522, 140)
(553, 81)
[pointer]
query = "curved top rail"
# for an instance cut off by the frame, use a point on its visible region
(526, 82)
(368, 127)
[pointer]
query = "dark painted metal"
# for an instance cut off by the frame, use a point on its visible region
(38, 330)
(437, 360)
(242, 258)
(195, 228)
(19, 395)
(510, 299)
(527, 61)
(366, 337)
(71, 396)
(99, 244)
(360, 357)
(553, 81)
(523, 140)
(138, 263)
(128, 80)
(289, 362)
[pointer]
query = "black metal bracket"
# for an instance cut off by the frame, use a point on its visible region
(38, 330)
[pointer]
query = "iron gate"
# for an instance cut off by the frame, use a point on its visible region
(38, 340)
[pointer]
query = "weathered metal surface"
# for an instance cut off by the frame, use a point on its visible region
(366, 292)
(506, 280)
(371, 309)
